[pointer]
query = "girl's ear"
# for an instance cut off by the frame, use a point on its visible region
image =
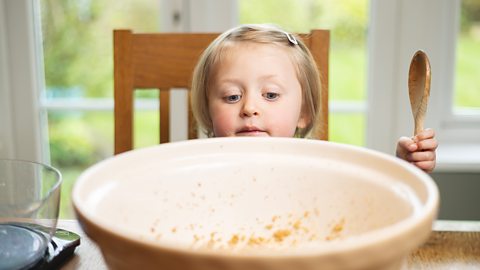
(303, 121)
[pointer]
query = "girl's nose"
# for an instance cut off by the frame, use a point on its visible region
(249, 108)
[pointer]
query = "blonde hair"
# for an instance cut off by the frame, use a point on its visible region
(307, 72)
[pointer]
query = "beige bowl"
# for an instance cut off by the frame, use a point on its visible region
(255, 203)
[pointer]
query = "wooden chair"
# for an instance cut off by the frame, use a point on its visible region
(166, 60)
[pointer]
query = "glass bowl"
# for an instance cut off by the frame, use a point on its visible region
(29, 205)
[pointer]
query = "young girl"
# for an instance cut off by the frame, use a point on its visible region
(258, 80)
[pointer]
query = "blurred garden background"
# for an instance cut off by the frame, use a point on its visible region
(78, 57)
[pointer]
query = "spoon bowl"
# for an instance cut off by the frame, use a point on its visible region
(419, 88)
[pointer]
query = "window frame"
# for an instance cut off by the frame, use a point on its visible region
(396, 30)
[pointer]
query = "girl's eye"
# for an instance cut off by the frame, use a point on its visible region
(232, 98)
(271, 95)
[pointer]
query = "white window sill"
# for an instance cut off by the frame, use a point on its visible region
(458, 158)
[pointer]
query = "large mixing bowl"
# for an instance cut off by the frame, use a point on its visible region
(255, 203)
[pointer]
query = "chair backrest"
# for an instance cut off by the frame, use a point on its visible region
(166, 60)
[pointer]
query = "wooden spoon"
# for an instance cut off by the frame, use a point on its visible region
(419, 88)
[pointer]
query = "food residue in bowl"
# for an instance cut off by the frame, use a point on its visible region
(279, 232)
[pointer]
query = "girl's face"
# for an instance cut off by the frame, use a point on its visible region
(254, 91)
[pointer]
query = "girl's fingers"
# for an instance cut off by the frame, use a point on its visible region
(425, 140)
(426, 166)
(407, 144)
(428, 144)
(419, 150)
(421, 156)
(424, 135)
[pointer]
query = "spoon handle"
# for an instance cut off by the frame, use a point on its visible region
(419, 116)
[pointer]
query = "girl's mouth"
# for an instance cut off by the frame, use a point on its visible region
(251, 131)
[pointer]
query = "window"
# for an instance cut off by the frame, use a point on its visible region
(347, 21)
(77, 48)
(466, 99)
(398, 29)
(461, 116)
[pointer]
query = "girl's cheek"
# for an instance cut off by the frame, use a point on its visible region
(222, 125)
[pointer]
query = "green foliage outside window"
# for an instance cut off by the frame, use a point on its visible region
(78, 40)
(467, 81)
(347, 19)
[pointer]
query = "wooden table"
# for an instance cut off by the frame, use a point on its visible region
(452, 245)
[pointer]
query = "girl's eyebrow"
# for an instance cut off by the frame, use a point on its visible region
(238, 81)
(229, 80)
(268, 76)
(274, 79)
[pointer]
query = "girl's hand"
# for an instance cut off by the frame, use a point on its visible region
(419, 150)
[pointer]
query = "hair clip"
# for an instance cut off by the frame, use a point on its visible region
(291, 38)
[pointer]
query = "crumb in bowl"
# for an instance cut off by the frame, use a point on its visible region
(280, 232)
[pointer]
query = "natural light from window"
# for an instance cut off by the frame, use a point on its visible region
(467, 81)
